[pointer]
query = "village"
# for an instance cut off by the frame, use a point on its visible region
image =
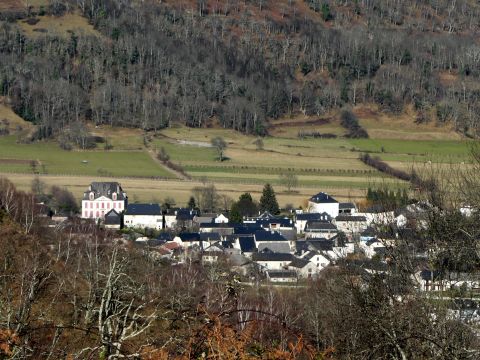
(283, 249)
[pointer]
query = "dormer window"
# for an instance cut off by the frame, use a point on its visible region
(114, 196)
(91, 196)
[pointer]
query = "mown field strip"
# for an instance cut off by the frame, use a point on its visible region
(149, 190)
(53, 160)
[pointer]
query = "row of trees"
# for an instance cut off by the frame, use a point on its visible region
(158, 63)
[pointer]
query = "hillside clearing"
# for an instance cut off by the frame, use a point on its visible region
(58, 26)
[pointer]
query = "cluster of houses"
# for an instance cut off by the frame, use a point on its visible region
(278, 248)
(283, 249)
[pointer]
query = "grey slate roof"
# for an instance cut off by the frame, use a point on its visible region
(218, 225)
(350, 218)
(210, 236)
(106, 189)
(189, 237)
(323, 198)
(308, 217)
(274, 246)
(281, 274)
(143, 209)
(247, 243)
(299, 263)
(310, 255)
(112, 218)
(348, 205)
(262, 235)
(272, 257)
(319, 225)
(321, 245)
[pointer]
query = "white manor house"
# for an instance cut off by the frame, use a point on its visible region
(101, 197)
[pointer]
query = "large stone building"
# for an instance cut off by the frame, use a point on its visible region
(101, 197)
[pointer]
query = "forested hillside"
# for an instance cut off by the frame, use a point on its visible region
(242, 63)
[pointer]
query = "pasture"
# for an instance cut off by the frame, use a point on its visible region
(50, 159)
(149, 190)
(330, 165)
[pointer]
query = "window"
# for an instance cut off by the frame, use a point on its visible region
(97, 207)
(108, 205)
(114, 205)
(103, 205)
(114, 196)
(91, 196)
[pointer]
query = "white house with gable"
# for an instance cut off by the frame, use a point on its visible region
(323, 203)
(143, 216)
(101, 197)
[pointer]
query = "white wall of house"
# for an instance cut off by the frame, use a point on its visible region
(221, 219)
(320, 234)
(343, 251)
(170, 221)
(285, 279)
(143, 221)
(300, 225)
(273, 265)
(369, 250)
(351, 227)
(97, 208)
(331, 209)
(319, 261)
(309, 270)
(383, 218)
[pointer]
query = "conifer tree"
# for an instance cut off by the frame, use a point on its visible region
(268, 201)
(191, 203)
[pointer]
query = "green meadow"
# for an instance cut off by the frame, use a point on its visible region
(53, 160)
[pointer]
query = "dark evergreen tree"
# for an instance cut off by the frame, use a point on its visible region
(268, 201)
(245, 206)
(191, 203)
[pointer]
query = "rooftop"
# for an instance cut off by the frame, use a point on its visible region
(350, 218)
(281, 274)
(299, 263)
(319, 225)
(263, 235)
(247, 243)
(143, 209)
(272, 257)
(323, 198)
(348, 205)
(106, 189)
(188, 237)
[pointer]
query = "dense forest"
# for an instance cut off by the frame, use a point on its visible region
(244, 63)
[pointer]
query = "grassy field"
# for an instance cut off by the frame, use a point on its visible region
(330, 165)
(58, 26)
(52, 160)
(148, 190)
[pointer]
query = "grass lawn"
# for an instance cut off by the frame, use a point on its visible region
(411, 150)
(94, 163)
